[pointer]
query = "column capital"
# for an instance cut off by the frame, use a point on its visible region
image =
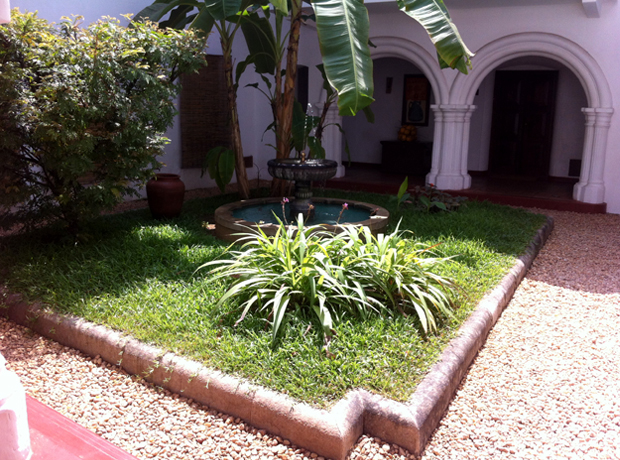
(598, 116)
(458, 113)
(454, 107)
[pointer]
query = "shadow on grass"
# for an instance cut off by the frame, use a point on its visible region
(139, 275)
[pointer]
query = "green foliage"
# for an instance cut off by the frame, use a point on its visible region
(309, 272)
(220, 164)
(402, 194)
(138, 275)
(429, 199)
(83, 113)
(435, 18)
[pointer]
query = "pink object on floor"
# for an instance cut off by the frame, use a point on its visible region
(55, 437)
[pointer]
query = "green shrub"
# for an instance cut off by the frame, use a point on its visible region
(327, 278)
(83, 112)
(429, 199)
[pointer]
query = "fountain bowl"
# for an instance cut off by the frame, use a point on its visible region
(313, 169)
(228, 224)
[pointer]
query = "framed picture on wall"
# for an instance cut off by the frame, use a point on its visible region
(416, 100)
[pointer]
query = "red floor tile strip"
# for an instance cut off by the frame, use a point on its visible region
(54, 437)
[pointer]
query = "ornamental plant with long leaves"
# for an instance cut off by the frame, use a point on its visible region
(328, 278)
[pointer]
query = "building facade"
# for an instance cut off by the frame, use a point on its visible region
(539, 101)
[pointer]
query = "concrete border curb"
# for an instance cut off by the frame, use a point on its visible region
(328, 433)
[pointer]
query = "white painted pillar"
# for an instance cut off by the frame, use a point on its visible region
(465, 146)
(5, 12)
(431, 177)
(14, 433)
(452, 173)
(591, 185)
(332, 137)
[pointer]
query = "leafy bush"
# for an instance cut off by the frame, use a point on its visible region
(308, 272)
(83, 112)
(428, 198)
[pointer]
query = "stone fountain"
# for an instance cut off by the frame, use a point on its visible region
(235, 218)
(302, 172)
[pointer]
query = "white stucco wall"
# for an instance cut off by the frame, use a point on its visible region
(363, 137)
(481, 23)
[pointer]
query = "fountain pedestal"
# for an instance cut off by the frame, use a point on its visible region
(302, 172)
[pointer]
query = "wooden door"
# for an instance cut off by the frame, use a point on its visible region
(522, 127)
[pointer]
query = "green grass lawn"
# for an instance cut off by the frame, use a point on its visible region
(138, 275)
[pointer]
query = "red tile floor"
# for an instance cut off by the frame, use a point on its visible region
(54, 437)
(545, 194)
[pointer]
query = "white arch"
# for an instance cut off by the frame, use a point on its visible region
(546, 45)
(591, 186)
(414, 53)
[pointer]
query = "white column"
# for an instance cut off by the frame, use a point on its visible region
(5, 11)
(14, 432)
(591, 185)
(452, 172)
(332, 137)
(431, 177)
(465, 146)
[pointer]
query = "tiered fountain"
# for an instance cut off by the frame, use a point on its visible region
(235, 218)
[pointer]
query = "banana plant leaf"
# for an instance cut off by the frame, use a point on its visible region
(261, 42)
(221, 9)
(342, 27)
(434, 17)
(160, 8)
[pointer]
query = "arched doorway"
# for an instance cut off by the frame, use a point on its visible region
(528, 122)
(598, 111)
(366, 139)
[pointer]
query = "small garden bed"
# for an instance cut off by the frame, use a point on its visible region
(139, 276)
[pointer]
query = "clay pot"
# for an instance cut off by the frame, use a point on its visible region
(165, 193)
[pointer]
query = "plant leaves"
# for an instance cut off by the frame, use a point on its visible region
(342, 26)
(221, 9)
(403, 188)
(261, 42)
(434, 17)
(203, 21)
(316, 149)
(160, 8)
(178, 17)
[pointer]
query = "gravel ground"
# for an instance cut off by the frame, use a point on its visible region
(545, 385)
(547, 382)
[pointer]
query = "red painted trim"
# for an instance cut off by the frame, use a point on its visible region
(55, 437)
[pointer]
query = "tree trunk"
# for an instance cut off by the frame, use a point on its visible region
(243, 185)
(285, 109)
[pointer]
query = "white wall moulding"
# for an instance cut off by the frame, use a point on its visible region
(402, 48)
(592, 8)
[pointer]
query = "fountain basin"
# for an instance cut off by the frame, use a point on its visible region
(231, 219)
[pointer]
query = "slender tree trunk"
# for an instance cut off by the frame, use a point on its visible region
(285, 107)
(243, 185)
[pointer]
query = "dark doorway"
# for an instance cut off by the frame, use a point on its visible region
(522, 127)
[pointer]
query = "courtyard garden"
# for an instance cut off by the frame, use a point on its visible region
(141, 276)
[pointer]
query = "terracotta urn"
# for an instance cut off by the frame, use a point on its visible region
(165, 193)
